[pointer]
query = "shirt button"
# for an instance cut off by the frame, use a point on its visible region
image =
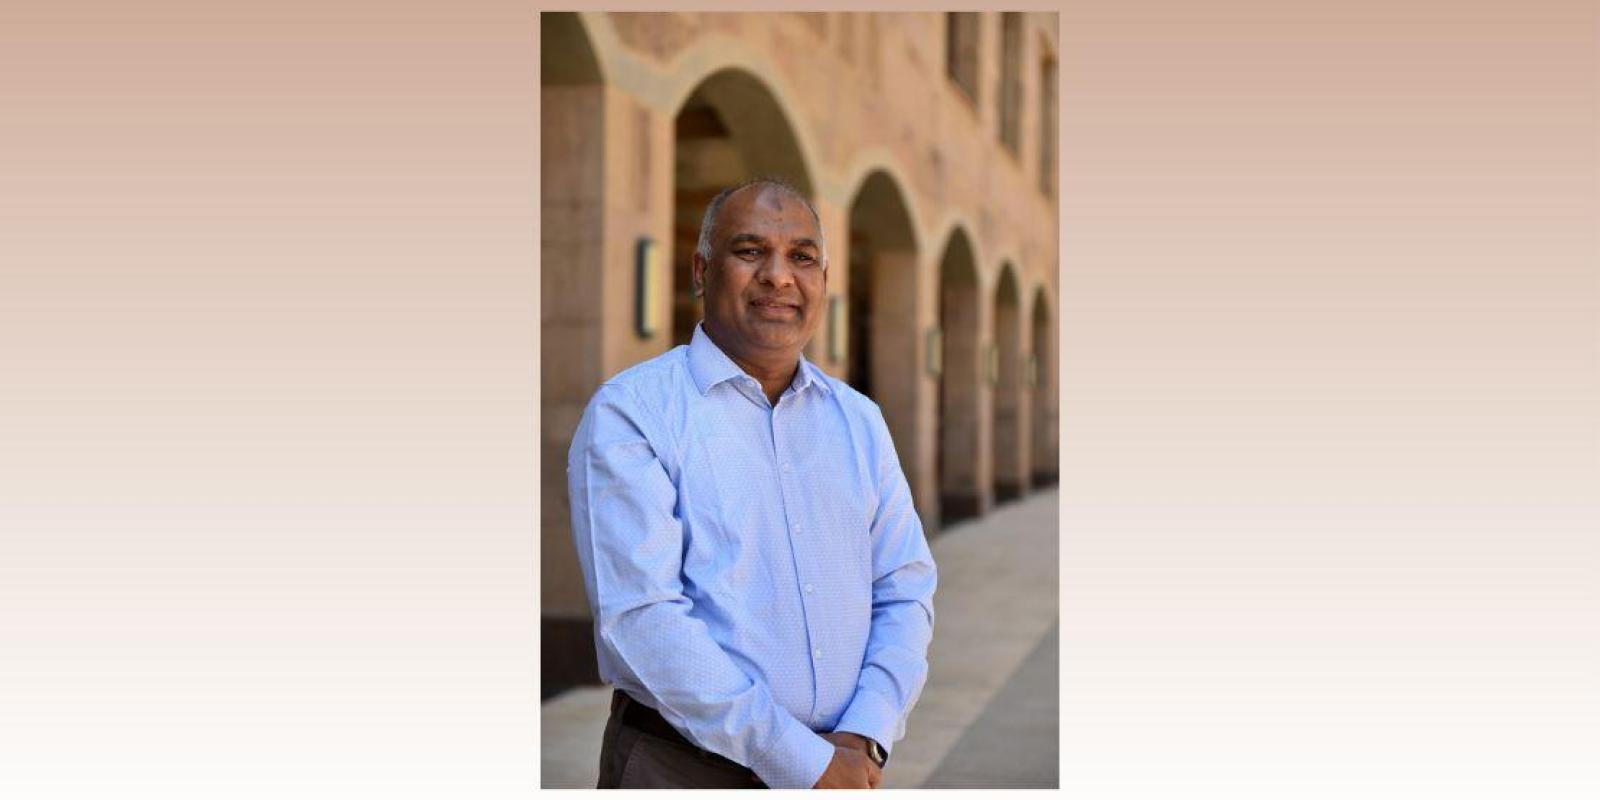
(797, 529)
(809, 588)
(817, 653)
(788, 468)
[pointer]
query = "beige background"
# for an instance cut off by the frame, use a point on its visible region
(268, 396)
(1329, 399)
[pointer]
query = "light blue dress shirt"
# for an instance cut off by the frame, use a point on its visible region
(757, 572)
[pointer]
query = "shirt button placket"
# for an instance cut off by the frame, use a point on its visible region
(786, 468)
(791, 508)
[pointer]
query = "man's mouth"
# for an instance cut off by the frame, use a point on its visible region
(775, 307)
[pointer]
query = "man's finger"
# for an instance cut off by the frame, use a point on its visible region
(869, 770)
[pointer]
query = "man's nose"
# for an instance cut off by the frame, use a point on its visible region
(775, 270)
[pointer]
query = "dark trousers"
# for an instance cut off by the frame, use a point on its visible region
(640, 751)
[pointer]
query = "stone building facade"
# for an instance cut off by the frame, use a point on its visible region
(927, 143)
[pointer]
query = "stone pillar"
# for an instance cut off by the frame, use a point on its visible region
(607, 163)
(1024, 395)
(964, 424)
(897, 361)
(572, 255)
(983, 454)
(924, 472)
(572, 129)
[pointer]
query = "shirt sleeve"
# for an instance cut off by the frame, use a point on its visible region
(630, 547)
(895, 667)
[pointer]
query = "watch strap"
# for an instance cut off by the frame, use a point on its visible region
(876, 752)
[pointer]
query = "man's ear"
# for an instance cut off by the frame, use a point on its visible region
(697, 273)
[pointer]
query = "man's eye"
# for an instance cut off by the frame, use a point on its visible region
(747, 252)
(804, 257)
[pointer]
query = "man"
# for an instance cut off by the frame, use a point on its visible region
(761, 587)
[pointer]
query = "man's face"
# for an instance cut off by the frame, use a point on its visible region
(765, 287)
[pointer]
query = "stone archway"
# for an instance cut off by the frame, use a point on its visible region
(730, 128)
(883, 311)
(960, 464)
(1010, 453)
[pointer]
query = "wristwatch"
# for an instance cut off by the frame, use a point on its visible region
(876, 752)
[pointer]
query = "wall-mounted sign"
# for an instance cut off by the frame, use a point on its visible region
(838, 330)
(935, 339)
(647, 285)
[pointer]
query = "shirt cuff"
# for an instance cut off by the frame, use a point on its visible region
(871, 716)
(796, 761)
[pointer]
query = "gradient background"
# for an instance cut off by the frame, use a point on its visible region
(268, 399)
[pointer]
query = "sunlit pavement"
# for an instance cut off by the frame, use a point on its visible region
(987, 717)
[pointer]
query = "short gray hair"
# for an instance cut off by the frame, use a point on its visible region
(708, 223)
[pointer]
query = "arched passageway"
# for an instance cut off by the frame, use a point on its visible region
(730, 128)
(1043, 435)
(882, 303)
(960, 486)
(1010, 454)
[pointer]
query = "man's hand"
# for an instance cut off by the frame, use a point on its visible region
(854, 741)
(849, 769)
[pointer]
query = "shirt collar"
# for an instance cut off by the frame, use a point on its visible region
(810, 375)
(707, 363)
(710, 366)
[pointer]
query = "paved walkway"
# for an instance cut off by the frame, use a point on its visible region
(1013, 743)
(988, 715)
